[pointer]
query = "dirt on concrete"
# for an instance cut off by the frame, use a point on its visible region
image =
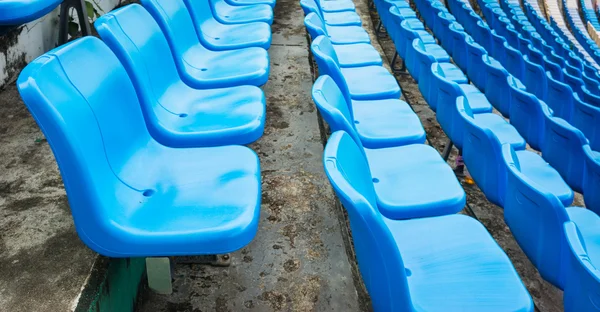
(43, 264)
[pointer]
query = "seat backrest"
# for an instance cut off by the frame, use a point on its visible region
(535, 55)
(513, 62)
(553, 68)
(562, 148)
(445, 103)
(457, 41)
(315, 25)
(423, 61)
(482, 154)
(535, 218)
(526, 114)
(498, 45)
(308, 6)
(582, 285)
(94, 125)
(483, 35)
(333, 106)
(496, 85)
(559, 97)
(591, 183)
(574, 82)
(588, 97)
(475, 67)
(534, 78)
(201, 12)
(327, 63)
(378, 257)
(586, 118)
(590, 83)
(174, 20)
(148, 60)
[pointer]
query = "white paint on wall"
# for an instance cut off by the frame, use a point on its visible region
(36, 38)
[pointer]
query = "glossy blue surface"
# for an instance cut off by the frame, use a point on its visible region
(496, 84)
(178, 115)
(17, 12)
(379, 85)
(131, 196)
(232, 14)
(591, 182)
(252, 2)
(535, 216)
(337, 34)
(198, 66)
(335, 6)
(461, 269)
(526, 114)
(345, 18)
(399, 185)
(218, 36)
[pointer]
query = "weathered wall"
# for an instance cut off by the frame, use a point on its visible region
(22, 45)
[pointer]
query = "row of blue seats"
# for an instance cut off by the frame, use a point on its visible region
(588, 14)
(146, 127)
(578, 163)
(17, 12)
(578, 28)
(534, 193)
(413, 251)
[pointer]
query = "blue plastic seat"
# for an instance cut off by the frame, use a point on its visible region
(559, 98)
(573, 81)
(17, 12)
(364, 83)
(356, 55)
(378, 124)
(129, 195)
(582, 282)
(475, 66)
(446, 112)
(498, 51)
(457, 41)
(461, 265)
(198, 66)
(178, 115)
(590, 98)
(496, 85)
(397, 184)
(563, 149)
(586, 118)
(336, 6)
(440, 29)
(401, 7)
(483, 35)
(536, 218)
(407, 35)
(217, 36)
(422, 66)
(513, 62)
(535, 56)
(271, 3)
(591, 177)
(552, 67)
(534, 78)
(232, 14)
(483, 137)
(527, 114)
(346, 18)
(337, 34)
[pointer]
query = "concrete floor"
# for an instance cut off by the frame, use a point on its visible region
(43, 264)
(298, 260)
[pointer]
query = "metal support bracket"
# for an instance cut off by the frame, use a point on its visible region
(84, 24)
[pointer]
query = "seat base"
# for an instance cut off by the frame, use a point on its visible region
(371, 83)
(538, 170)
(346, 18)
(347, 34)
(387, 123)
(454, 264)
(404, 185)
(357, 55)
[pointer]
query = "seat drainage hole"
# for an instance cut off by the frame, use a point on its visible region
(204, 69)
(148, 193)
(356, 122)
(183, 115)
(408, 272)
(375, 180)
(217, 38)
(226, 16)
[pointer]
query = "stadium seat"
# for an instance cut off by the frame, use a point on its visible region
(176, 114)
(198, 66)
(462, 268)
(129, 195)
